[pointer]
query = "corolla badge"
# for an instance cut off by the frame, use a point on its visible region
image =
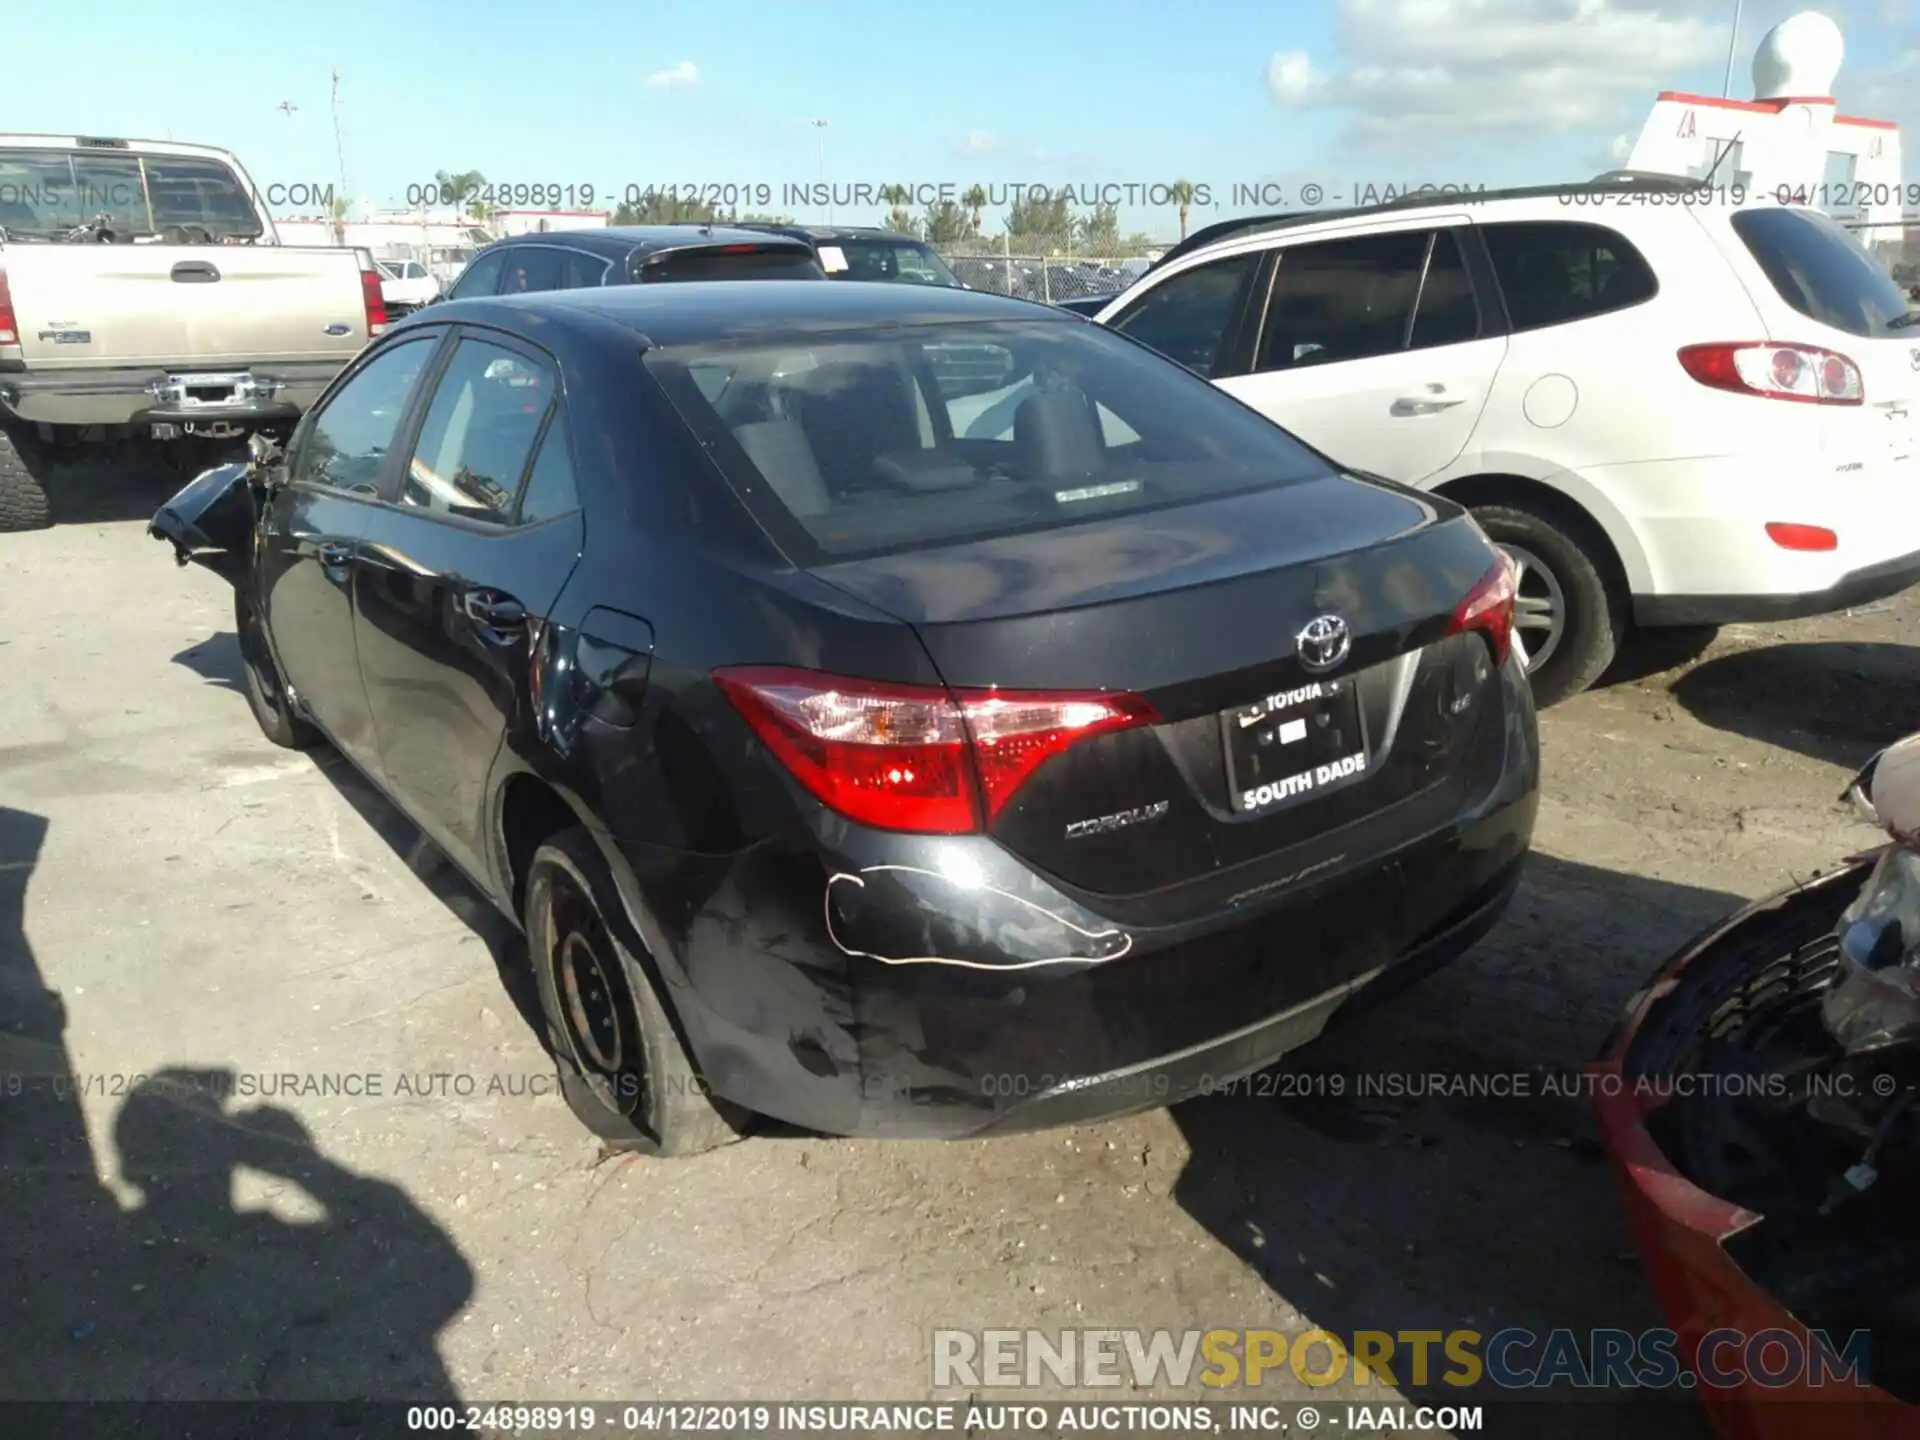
(1323, 642)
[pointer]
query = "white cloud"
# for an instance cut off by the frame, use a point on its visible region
(675, 77)
(976, 142)
(1417, 74)
(1292, 78)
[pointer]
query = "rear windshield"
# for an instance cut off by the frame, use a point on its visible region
(865, 442)
(719, 264)
(1821, 270)
(46, 193)
(902, 262)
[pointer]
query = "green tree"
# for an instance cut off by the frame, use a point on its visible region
(662, 209)
(1038, 223)
(975, 200)
(1099, 230)
(1182, 191)
(466, 190)
(1139, 243)
(337, 217)
(899, 218)
(945, 223)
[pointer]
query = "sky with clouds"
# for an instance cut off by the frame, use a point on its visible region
(1088, 93)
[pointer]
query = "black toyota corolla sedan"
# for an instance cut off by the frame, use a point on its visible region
(896, 711)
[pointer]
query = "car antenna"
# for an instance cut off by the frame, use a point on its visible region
(1721, 159)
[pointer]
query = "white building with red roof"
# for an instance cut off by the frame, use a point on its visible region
(1791, 139)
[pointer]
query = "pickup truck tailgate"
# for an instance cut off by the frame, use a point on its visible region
(82, 306)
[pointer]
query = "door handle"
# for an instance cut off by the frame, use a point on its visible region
(493, 610)
(334, 555)
(1428, 400)
(194, 272)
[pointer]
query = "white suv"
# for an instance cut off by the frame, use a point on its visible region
(1670, 412)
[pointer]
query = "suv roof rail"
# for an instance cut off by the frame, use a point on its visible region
(1611, 182)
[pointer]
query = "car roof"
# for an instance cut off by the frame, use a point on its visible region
(1613, 183)
(619, 241)
(704, 311)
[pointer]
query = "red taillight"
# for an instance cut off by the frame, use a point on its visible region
(1489, 607)
(376, 303)
(9, 327)
(741, 249)
(916, 757)
(1802, 537)
(1803, 373)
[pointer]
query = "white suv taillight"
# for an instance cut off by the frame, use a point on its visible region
(372, 296)
(1805, 373)
(9, 327)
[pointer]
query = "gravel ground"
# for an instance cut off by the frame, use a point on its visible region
(178, 896)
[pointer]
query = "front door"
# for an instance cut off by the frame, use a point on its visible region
(311, 540)
(1376, 350)
(456, 577)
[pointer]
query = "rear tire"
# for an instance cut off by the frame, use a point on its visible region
(1569, 619)
(23, 483)
(623, 1069)
(266, 694)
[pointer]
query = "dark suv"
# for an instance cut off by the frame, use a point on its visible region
(859, 253)
(633, 255)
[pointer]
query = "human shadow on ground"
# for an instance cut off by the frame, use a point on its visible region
(1431, 1163)
(1829, 700)
(242, 1265)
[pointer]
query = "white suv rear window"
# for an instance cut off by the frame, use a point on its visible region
(1821, 270)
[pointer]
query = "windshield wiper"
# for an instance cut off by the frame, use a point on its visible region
(1912, 317)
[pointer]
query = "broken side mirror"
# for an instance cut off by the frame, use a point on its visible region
(1886, 792)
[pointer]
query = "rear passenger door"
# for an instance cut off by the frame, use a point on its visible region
(1379, 349)
(459, 569)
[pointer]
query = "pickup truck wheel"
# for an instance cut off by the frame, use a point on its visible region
(1567, 620)
(266, 695)
(623, 1069)
(23, 483)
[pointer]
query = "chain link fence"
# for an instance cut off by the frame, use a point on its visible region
(1036, 267)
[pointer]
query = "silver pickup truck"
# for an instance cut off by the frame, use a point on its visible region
(149, 313)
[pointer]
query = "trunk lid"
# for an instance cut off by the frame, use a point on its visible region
(82, 306)
(1200, 610)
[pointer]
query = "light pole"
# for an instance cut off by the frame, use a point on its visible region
(1733, 45)
(820, 134)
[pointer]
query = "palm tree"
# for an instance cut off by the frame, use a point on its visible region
(975, 200)
(465, 189)
(337, 217)
(899, 218)
(1182, 192)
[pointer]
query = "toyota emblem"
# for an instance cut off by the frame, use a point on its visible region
(1323, 642)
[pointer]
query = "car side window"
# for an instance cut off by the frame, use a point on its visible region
(479, 432)
(581, 270)
(550, 490)
(1337, 300)
(350, 434)
(481, 277)
(1551, 272)
(1447, 313)
(1186, 316)
(534, 267)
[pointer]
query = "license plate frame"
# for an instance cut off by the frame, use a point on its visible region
(1323, 719)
